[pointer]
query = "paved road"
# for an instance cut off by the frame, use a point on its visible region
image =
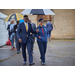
(59, 53)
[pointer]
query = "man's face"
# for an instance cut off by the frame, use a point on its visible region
(41, 22)
(12, 22)
(17, 22)
(26, 19)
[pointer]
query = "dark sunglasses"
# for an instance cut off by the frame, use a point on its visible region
(26, 18)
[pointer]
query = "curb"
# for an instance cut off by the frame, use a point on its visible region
(2, 46)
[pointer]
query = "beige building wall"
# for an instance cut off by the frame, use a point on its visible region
(64, 22)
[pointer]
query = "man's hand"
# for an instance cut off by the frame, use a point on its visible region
(37, 30)
(9, 30)
(30, 33)
(39, 37)
(20, 40)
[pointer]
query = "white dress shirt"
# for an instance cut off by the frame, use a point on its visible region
(12, 26)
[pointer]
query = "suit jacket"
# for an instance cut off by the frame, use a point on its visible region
(15, 27)
(49, 26)
(8, 29)
(21, 32)
(34, 28)
(40, 33)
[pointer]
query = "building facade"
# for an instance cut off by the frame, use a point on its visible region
(63, 22)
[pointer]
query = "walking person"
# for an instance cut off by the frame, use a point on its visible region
(9, 33)
(42, 40)
(8, 28)
(32, 35)
(49, 28)
(18, 44)
(23, 35)
(12, 36)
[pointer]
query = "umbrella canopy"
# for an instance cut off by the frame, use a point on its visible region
(38, 12)
(14, 17)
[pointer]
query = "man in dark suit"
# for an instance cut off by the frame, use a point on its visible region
(32, 35)
(23, 35)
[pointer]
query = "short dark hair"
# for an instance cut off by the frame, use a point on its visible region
(25, 16)
(18, 21)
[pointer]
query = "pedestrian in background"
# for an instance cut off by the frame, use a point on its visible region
(9, 33)
(18, 44)
(8, 28)
(42, 40)
(49, 28)
(12, 36)
(32, 35)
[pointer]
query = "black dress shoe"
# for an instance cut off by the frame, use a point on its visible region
(31, 64)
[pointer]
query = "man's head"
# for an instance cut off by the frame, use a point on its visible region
(41, 21)
(48, 21)
(12, 22)
(25, 18)
(18, 22)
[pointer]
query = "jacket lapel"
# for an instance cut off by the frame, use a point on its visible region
(24, 26)
(28, 27)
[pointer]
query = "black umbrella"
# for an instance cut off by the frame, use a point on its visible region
(37, 12)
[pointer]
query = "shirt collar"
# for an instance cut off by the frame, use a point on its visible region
(25, 23)
(13, 24)
(40, 26)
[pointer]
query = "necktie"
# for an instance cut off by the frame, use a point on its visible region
(42, 31)
(26, 27)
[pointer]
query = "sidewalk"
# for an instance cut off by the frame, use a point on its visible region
(59, 53)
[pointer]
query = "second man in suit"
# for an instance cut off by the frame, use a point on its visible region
(32, 35)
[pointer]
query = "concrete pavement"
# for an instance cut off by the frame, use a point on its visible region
(59, 53)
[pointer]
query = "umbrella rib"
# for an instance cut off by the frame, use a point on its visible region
(7, 18)
(12, 17)
(19, 16)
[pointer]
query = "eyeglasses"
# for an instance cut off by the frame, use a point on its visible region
(26, 18)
